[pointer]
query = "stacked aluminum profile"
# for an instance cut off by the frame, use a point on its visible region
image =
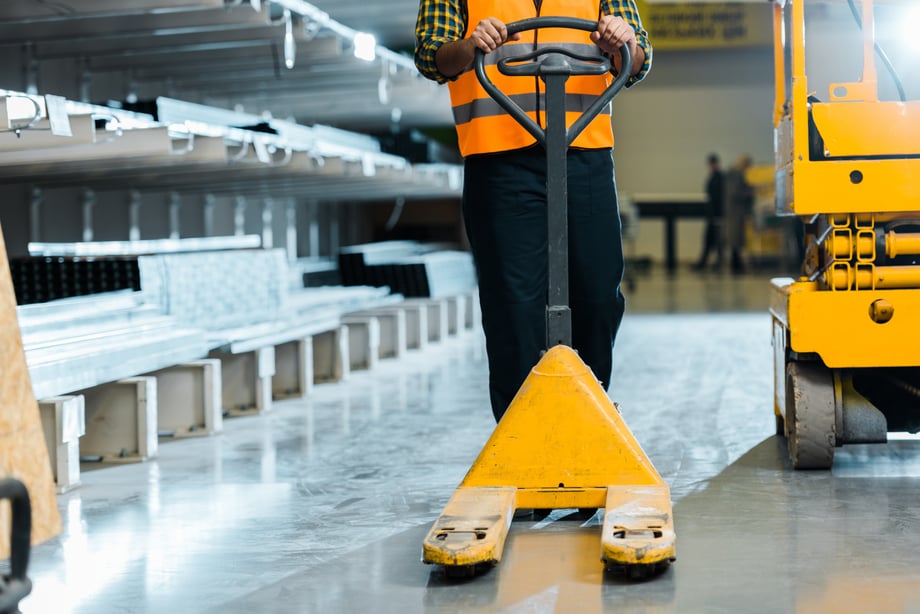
(409, 268)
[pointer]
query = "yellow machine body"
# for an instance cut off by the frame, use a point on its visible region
(561, 444)
(849, 329)
(847, 163)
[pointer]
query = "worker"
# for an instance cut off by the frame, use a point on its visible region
(739, 205)
(504, 190)
(712, 235)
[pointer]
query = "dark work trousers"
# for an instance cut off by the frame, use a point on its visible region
(712, 242)
(504, 209)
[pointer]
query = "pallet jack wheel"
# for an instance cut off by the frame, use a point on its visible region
(640, 571)
(810, 415)
(466, 572)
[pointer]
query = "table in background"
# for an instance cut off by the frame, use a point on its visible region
(670, 207)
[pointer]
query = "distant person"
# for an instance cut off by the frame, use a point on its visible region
(739, 204)
(712, 236)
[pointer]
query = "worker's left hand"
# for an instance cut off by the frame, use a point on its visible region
(612, 33)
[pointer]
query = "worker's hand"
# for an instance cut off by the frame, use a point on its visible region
(490, 34)
(612, 33)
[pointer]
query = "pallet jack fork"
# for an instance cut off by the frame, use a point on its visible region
(562, 442)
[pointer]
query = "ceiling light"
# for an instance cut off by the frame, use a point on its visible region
(365, 46)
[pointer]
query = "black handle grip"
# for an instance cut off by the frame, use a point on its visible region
(525, 66)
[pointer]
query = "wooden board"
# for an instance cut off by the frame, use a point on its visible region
(23, 453)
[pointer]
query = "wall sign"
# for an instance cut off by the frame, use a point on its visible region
(685, 25)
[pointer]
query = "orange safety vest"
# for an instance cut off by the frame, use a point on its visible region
(483, 126)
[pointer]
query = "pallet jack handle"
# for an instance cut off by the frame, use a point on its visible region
(554, 65)
(16, 586)
(583, 65)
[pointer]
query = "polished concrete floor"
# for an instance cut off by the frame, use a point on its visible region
(321, 505)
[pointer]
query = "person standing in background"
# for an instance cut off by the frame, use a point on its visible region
(739, 204)
(712, 235)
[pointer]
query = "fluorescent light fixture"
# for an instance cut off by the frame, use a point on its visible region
(290, 48)
(365, 46)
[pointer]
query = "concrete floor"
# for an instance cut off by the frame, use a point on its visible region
(321, 505)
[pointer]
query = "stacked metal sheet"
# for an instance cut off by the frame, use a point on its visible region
(317, 272)
(244, 298)
(63, 270)
(356, 262)
(408, 268)
(76, 343)
(189, 304)
(218, 290)
(41, 279)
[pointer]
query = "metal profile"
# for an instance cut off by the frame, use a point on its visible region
(205, 149)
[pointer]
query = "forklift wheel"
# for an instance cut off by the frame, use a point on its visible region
(811, 415)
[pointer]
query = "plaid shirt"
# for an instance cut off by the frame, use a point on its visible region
(442, 21)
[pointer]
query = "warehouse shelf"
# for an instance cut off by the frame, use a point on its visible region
(152, 246)
(201, 149)
(234, 322)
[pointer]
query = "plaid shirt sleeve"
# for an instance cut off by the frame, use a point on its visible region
(439, 22)
(628, 11)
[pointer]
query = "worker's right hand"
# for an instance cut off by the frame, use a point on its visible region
(490, 34)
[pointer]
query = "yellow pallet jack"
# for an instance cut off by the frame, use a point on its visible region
(561, 443)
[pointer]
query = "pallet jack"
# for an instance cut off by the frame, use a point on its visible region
(562, 442)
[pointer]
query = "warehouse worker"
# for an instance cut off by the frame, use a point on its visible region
(504, 190)
(712, 235)
(739, 205)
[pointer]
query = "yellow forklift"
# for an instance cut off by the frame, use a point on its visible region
(846, 333)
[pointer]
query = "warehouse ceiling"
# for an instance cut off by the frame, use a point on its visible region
(289, 59)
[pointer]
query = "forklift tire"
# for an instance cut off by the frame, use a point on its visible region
(811, 415)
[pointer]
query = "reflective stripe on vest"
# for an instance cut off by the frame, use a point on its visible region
(486, 107)
(483, 126)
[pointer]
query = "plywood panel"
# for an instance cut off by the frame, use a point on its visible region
(23, 454)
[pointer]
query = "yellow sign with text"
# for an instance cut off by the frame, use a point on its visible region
(684, 25)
